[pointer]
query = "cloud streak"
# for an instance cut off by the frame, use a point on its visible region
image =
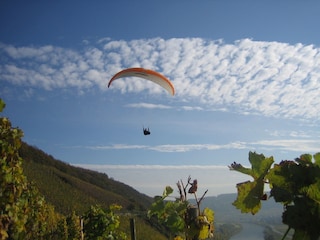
(295, 145)
(148, 106)
(267, 78)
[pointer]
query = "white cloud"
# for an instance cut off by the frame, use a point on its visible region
(267, 78)
(293, 134)
(116, 147)
(148, 105)
(191, 108)
(294, 145)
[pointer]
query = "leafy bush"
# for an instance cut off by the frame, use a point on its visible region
(293, 183)
(184, 220)
(102, 224)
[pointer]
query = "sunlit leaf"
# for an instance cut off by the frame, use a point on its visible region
(239, 168)
(251, 193)
(317, 159)
(260, 164)
(206, 223)
(249, 196)
(2, 105)
(294, 183)
(178, 238)
(204, 232)
(167, 191)
(304, 159)
(313, 192)
(209, 214)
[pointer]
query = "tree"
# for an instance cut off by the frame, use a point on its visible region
(293, 183)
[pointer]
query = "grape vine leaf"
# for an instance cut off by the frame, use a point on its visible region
(291, 179)
(2, 105)
(281, 183)
(167, 191)
(317, 159)
(250, 193)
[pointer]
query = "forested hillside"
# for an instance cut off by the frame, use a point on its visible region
(71, 188)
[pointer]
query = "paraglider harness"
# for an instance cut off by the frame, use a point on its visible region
(146, 131)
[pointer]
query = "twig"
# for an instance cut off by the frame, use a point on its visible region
(198, 203)
(203, 196)
(185, 188)
(182, 197)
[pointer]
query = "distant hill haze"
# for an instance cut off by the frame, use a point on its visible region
(270, 212)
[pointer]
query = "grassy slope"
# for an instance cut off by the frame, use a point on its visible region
(70, 188)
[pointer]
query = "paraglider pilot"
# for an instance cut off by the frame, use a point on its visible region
(146, 131)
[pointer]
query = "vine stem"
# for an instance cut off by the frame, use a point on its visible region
(286, 233)
(199, 201)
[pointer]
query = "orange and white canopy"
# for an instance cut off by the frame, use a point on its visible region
(150, 75)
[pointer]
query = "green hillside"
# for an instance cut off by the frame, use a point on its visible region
(70, 188)
(73, 188)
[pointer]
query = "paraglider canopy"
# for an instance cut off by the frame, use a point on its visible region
(148, 74)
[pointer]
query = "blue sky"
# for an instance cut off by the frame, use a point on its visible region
(246, 75)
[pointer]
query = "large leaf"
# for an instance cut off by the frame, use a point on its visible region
(281, 184)
(209, 214)
(260, 165)
(249, 196)
(250, 193)
(206, 224)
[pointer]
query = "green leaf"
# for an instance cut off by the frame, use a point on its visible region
(313, 191)
(239, 168)
(250, 193)
(260, 164)
(2, 105)
(281, 184)
(203, 233)
(305, 159)
(209, 214)
(249, 196)
(317, 159)
(167, 191)
(175, 222)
